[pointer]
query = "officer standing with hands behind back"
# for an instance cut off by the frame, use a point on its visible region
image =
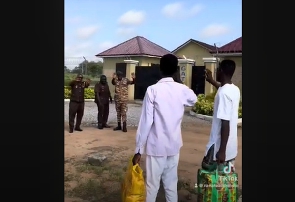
(103, 99)
(76, 106)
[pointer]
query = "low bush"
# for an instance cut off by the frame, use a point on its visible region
(205, 105)
(69, 87)
(211, 96)
(240, 112)
(89, 93)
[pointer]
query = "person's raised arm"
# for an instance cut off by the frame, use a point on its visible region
(145, 122)
(73, 82)
(130, 82)
(87, 83)
(189, 96)
(114, 79)
(210, 79)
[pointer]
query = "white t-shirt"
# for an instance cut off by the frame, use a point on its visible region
(226, 107)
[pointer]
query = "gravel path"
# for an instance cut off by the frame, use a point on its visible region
(133, 115)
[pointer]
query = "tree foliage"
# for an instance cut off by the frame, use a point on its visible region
(91, 68)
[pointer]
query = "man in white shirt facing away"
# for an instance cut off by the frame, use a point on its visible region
(222, 147)
(159, 131)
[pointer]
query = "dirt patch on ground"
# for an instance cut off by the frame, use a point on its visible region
(88, 183)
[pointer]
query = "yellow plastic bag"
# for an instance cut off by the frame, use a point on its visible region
(133, 187)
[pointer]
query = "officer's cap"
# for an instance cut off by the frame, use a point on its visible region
(79, 76)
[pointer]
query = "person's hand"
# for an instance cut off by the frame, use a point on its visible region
(88, 81)
(220, 157)
(132, 75)
(136, 159)
(208, 75)
(114, 75)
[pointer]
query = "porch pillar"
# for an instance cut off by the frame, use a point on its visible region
(130, 68)
(185, 69)
(210, 63)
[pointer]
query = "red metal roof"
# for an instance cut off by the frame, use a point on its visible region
(135, 46)
(207, 46)
(232, 47)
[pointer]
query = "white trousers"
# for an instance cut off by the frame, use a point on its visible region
(164, 168)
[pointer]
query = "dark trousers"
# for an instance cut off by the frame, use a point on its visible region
(103, 113)
(76, 108)
(97, 104)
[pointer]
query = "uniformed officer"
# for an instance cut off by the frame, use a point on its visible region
(121, 97)
(102, 99)
(76, 106)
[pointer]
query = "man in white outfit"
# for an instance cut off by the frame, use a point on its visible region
(159, 131)
(223, 142)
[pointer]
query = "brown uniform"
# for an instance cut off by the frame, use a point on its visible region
(121, 97)
(103, 95)
(76, 106)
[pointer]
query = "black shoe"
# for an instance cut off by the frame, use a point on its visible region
(106, 126)
(124, 127)
(78, 129)
(100, 126)
(118, 127)
(71, 130)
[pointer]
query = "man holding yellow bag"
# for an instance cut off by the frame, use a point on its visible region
(159, 131)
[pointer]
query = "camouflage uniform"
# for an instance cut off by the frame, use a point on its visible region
(121, 99)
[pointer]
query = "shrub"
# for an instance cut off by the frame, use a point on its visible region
(69, 87)
(67, 82)
(240, 112)
(67, 93)
(211, 96)
(201, 97)
(89, 93)
(205, 105)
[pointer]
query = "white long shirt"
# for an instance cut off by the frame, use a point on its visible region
(226, 107)
(159, 129)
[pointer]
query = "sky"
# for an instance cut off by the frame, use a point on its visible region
(92, 26)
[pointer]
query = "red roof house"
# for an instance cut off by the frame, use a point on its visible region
(195, 50)
(202, 44)
(137, 46)
(232, 48)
